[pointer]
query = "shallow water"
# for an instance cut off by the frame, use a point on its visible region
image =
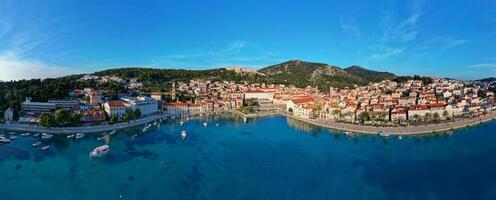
(266, 158)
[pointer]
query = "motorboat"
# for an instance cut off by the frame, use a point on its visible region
(113, 132)
(12, 137)
(25, 134)
(79, 136)
(400, 138)
(183, 134)
(100, 138)
(46, 136)
(383, 134)
(36, 135)
(205, 124)
(43, 148)
(36, 144)
(348, 133)
(100, 151)
(70, 136)
(4, 140)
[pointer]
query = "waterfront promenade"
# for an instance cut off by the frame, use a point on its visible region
(406, 130)
(72, 130)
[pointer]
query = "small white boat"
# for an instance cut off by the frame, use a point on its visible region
(4, 140)
(181, 123)
(113, 132)
(347, 133)
(100, 151)
(43, 148)
(36, 144)
(217, 124)
(12, 137)
(183, 134)
(12, 133)
(46, 136)
(205, 124)
(25, 134)
(383, 134)
(244, 119)
(36, 135)
(70, 136)
(400, 138)
(100, 138)
(79, 136)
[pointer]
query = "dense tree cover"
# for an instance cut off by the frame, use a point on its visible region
(150, 75)
(60, 118)
(425, 79)
(14, 92)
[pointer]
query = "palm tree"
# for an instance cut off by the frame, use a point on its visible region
(336, 113)
(427, 116)
(436, 117)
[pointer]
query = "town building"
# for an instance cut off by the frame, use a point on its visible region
(115, 108)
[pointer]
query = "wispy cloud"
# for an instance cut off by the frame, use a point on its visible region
(407, 29)
(237, 52)
(350, 25)
(484, 65)
(386, 53)
(12, 67)
(450, 42)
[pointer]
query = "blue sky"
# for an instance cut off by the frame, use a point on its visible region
(449, 38)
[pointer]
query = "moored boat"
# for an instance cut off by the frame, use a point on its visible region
(70, 136)
(43, 148)
(12, 137)
(383, 134)
(36, 135)
(4, 140)
(46, 136)
(79, 136)
(183, 134)
(36, 144)
(25, 134)
(205, 124)
(100, 151)
(113, 132)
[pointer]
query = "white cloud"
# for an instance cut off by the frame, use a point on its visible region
(404, 31)
(484, 65)
(449, 42)
(14, 68)
(389, 52)
(350, 25)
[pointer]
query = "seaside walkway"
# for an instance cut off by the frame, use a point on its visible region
(407, 130)
(72, 130)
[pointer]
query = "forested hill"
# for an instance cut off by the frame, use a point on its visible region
(165, 75)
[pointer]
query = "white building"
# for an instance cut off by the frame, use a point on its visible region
(8, 115)
(146, 105)
(37, 107)
(115, 108)
(258, 94)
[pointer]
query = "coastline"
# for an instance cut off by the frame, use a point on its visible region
(72, 130)
(408, 130)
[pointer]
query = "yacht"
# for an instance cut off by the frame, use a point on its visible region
(4, 140)
(36, 144)
(79, 135)
(183, 134)
(43, 148)
(70, 136)
(100, 151)
(46, 136)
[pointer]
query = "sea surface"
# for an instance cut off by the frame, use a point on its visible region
(266, 158)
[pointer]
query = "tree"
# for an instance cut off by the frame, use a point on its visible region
(47, 120)
(436, 116)
(445, 114)
(427, 116)
(336, 113)
(416, 117)
(365, 116)
(114, 119)
(75, 119)
(137, 113)
(62, 116)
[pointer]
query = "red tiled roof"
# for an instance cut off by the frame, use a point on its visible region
(302, 100)
(174, 104)
(116, 104)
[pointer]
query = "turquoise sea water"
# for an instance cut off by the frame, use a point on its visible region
(266, 158)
